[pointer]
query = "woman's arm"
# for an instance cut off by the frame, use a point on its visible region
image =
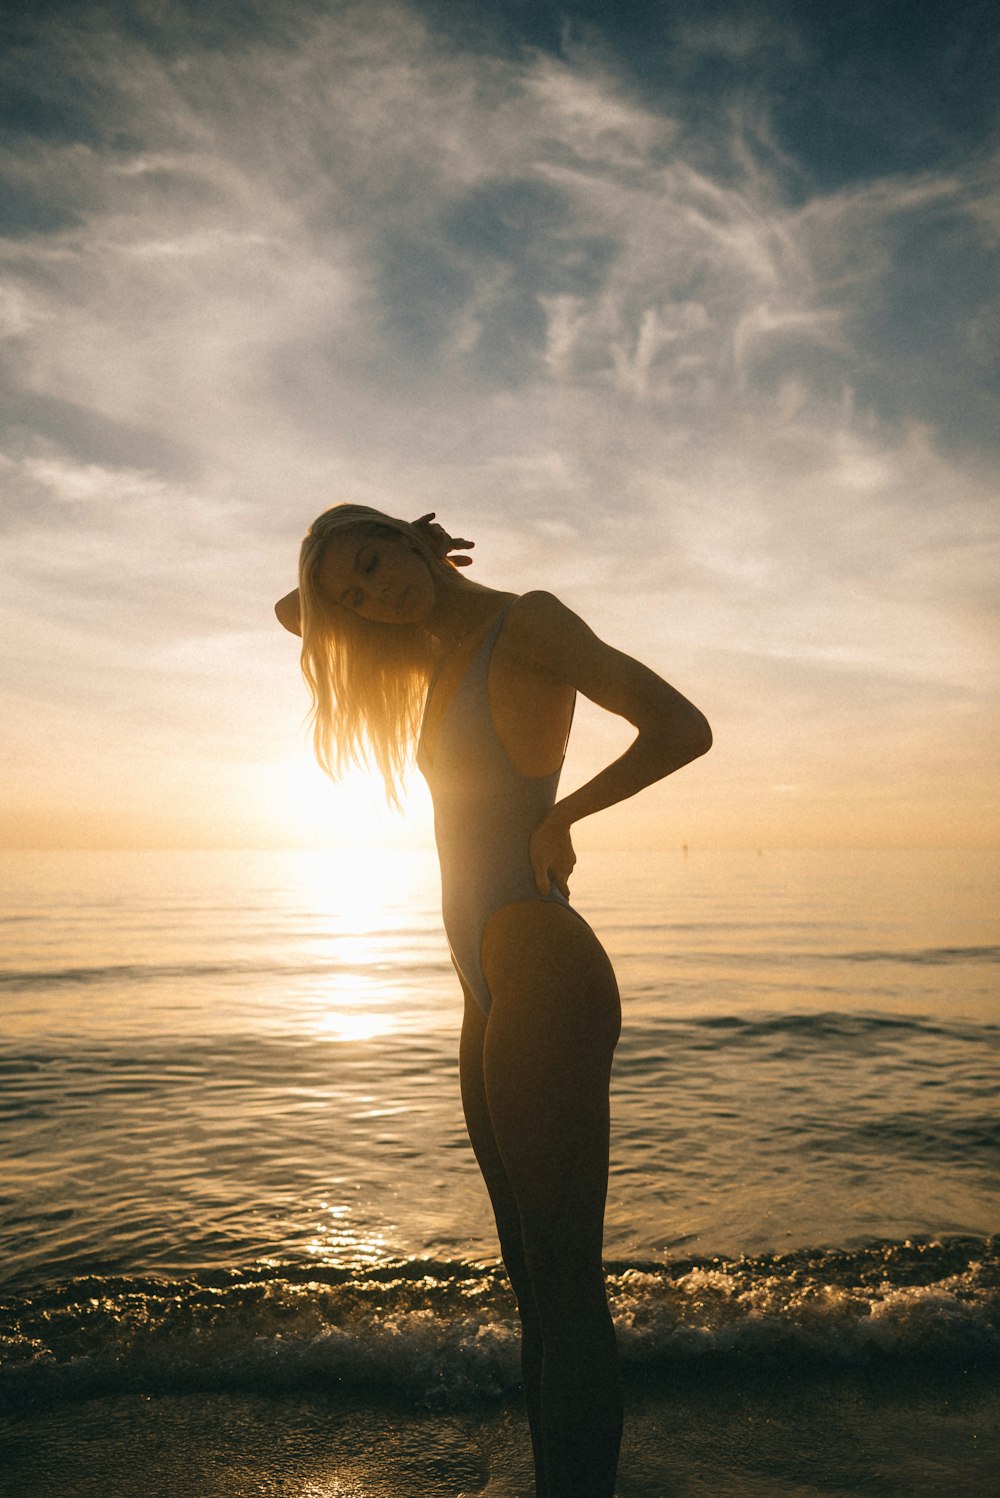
(671, 730)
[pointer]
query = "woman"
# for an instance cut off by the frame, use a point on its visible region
(403, 652)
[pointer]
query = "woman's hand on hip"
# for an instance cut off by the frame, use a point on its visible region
(552, 856)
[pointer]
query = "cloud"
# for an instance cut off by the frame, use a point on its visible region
(648, 357)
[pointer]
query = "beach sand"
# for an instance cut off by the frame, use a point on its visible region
(738, 1436)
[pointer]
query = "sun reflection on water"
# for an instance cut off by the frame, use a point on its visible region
(337, 1242)
(358, 891)
(336, 1024)
(364, 919)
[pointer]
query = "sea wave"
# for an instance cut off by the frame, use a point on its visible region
(827, 1023)
(445, 1332)
(931, 956)
(113, 974)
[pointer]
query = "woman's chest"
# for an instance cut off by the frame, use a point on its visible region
(495, 702)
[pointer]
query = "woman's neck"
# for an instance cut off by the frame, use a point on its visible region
(460, 609)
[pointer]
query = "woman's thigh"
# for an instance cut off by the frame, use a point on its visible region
(547, 1056)
(480, 1128)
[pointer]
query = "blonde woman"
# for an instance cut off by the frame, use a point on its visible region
(404, 655)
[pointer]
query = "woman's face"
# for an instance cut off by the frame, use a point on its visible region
(381, 578)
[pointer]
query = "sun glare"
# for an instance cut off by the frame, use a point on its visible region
(338, 1025)
(349, 813)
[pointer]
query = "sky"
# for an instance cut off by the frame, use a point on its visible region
(688, 313)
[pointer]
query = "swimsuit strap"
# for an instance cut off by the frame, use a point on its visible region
(475, 676)
(484, 651)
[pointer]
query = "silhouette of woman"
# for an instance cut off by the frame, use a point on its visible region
(403, 652)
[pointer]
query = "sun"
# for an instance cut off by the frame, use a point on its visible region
(348, 813)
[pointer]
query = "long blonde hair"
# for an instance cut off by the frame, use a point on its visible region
(367, 680)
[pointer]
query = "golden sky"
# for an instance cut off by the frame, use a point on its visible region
(693, 322)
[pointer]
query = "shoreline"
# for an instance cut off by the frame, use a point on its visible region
(848, 1434)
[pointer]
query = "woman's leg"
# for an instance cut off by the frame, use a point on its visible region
(508, 1220)
(547, 1058)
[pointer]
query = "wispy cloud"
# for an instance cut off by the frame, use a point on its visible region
(651, 358)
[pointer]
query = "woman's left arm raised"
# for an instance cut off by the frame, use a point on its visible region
(671, 730)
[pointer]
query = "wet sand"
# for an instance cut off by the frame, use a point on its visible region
(734, 1436)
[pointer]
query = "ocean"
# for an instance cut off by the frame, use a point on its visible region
(245, 1249)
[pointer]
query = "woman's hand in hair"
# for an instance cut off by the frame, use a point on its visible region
(443, 544)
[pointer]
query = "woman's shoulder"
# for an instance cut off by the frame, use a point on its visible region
(537, 607)
(538, 626)
(541, 609)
